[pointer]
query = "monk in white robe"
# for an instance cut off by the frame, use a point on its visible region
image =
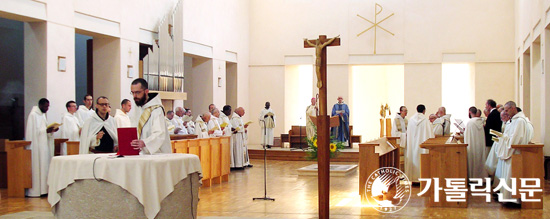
(267, 124)
(474, 136)
(239, 150)
(99, 133)
(442, 125)
(492, 159)
(418, 131)
(148, 117)
(214, 125)
(310, 126)
(399, 126)
(71, 126)
(519, 131)
(42, 143)
(121, 118)
(85, 111)
(225, 121)
(201, 125)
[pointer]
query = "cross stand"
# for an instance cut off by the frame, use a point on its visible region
(265, 171)
(323, 121)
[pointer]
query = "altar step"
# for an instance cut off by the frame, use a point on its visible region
(298, 155)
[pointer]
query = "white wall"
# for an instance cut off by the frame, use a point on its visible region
(223, 26)
(532, 50)
(106, 66)
(424, 31)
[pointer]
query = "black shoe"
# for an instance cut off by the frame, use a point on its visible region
(512, 205)
(269, 146)
(250, 165)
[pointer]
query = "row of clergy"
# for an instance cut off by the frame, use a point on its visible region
(488, 156)
(214, 124)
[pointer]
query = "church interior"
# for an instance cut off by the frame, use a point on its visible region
(244, 53)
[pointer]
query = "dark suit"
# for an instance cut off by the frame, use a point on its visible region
(493, 122)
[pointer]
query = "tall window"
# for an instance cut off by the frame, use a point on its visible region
(457, 90)
(372, 86)
(298, 94)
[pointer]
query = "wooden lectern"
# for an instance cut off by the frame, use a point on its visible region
(382, 152)
(445, 159)
(528, 163)
(19, 169)
(334, 121)
(57, 145)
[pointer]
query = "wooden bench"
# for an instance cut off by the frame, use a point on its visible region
(382, 152)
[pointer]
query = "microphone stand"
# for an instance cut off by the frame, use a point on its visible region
(265, 170)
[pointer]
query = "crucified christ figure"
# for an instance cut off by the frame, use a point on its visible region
(318, 48)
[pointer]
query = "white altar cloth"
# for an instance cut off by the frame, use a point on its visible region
(150, 178)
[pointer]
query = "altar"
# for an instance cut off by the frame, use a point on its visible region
(143, 186)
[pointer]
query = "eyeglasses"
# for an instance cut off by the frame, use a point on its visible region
(104, 104)
(136, 92)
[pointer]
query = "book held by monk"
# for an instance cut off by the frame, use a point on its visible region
(54, 125)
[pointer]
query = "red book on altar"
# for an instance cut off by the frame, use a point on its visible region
(125, 137)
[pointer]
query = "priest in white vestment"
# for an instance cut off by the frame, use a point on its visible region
(174, 126)
(121, 118)
(214, 124)
(178, 122)
(267, 124)
(188, 122)
(399, 126)
(519, 131)
(418, 131)
(85, 111)
(442, 125)
(148, 117)
(474, 136)
(225, 121)
(239, 149)
(71, 126)
(42, 143)
(201, 125)
(99, 133)
(311, 111)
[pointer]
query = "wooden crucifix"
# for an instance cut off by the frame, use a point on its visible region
(323, 122)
